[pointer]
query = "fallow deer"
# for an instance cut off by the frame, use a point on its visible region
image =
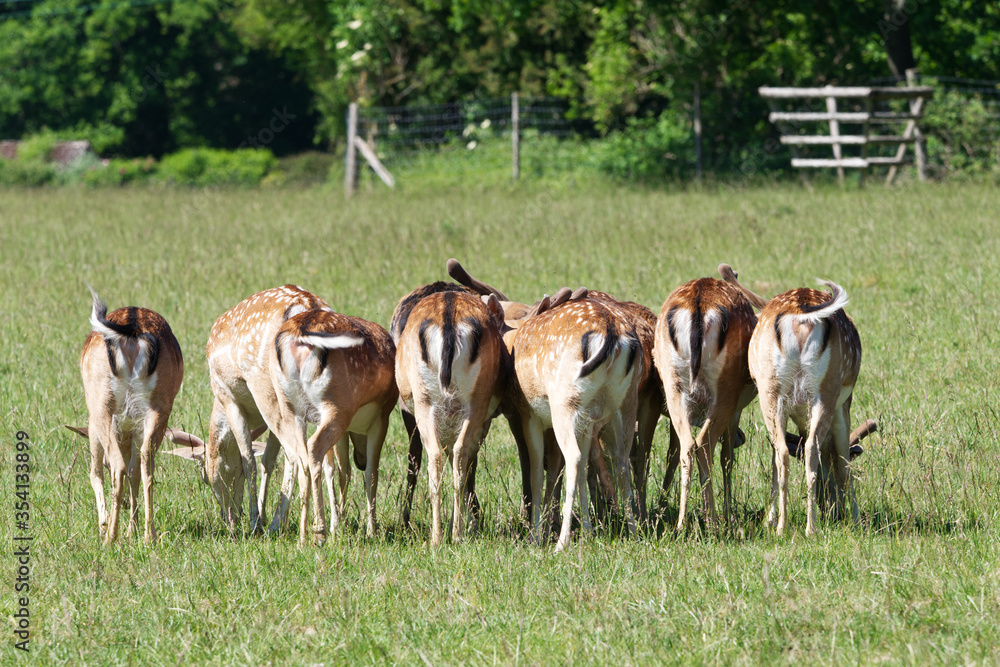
(805, 356)
(337, 372)
(400, 316)
(132, 368)
(577, 369)
(702, 336)
(238, 351)
(450, 369)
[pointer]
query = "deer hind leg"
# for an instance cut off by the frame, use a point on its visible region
(285, 495)
(268, 459)
(134, 481)
(622, 428)
(413, 461)
(775, 418)
(679, 416)
(338, 459)
(118, 468)
(427, 425)
(841, 462)
(460, 478)
(155, 426)
(534, 441)
(727, 461)
(711, 432)
(375, 440)
(564, 425)
(820, 418)
(97, 476)
(646, 418)
(673, 458)
(241, 432)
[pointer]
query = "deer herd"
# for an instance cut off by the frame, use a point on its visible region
(581, 377)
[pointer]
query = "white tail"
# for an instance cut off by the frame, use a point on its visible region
(805, 356)
(132, 368)
(348, 391)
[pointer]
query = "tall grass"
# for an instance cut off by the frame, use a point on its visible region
(917, 581)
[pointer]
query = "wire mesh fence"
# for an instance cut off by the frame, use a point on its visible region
(475, 137)
(474, 140)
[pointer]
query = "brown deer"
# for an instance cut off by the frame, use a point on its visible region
(400, 317)
(577, 369)
(450, 369)
(338, 372)
(238, 351)
(805, 356)
(132, 368)
(702, 337)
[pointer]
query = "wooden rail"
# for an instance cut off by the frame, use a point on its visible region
(865, 95)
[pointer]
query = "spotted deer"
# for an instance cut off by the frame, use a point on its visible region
(132, 368)
(450, 370)
(577, 369)
(702, 337)
(400, 317)
(238, 350)
(338, 372)
(805, 356)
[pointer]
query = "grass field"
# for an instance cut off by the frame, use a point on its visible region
(918, 581)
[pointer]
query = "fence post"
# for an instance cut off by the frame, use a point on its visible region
(831, 107)
(351, 157)
(697, 130)
(515, 134)
(920, 146)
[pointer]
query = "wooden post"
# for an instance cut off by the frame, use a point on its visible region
(697, 130)
(920, 147)
(351, 158)
(515, 134)
(864, 146)
(831, 107)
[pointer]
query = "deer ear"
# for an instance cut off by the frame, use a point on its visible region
(496, 310)
(560, 297)
(79, 430)
(258, 448)
(179, 437)
(195, 453)
(579, 293)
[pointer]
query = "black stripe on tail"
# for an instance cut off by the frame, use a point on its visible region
(697, 336)
(610, 340)
(449, 340)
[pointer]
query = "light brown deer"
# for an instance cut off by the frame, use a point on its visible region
(450, 369)
(132, 368)
(577, 369)
(338, 372)
(702, 336)
(805, 356)
(239, 349)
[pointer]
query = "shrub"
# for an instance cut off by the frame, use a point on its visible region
(208, 166)
(651, 148)
(120, 172)
(963, 134)
(25, 172)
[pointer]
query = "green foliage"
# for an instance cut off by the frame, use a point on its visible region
(120, 172)
(963, 134)
(29, 173)
(206, 166)
(648, 149)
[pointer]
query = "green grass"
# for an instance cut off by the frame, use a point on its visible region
(918, 581)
